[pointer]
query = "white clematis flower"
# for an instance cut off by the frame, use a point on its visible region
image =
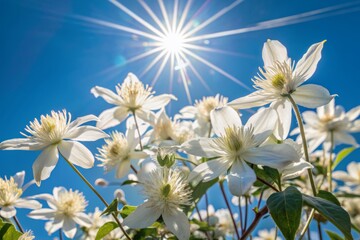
(280, 78)
(166, 191)
(53, 134)
(118, 152)
(130, 97)
(236, 146)
(330, 119)
(265, 234)
(351, 177)
(11, 191)
(66, 210)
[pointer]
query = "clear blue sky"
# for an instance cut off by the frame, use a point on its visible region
(49, 59)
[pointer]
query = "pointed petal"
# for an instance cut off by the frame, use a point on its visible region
(123, 168)
(81, 120)
(283, 110)
(274, 155)
(222, 118)
(57, 191)
(273, 51)
(255, 99)
(209, 170)
(112, 117)
(327, 110)
(158, 102)
(76, 153)
(27, 203)
(146, 116)
(138, 155)
(55, 225)
(353, 113)
(19, 178)
(344, 138)
(202, 147)
(308, 63)
(108, 95)
(241, 178)
(8, 212)
(142, 217)
(177, 222)
(315, 142)
(20, 144)
(294, 170)
(69, 227)
(45, 163)
(42, 214)
(311, 96)
(263, 122)
(86, 133)
(83, 219)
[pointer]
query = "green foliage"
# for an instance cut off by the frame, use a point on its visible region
(127, 210)
(128, 182)
(285, 209)
(332, 212)
(146, 233)
(333, 236)
(342, 155)
(328, 196)
(105, 230)
(8, 231)
(112, 208)
(273, 174)
(203, 226)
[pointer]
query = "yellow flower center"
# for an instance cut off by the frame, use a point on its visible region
(9, 192)
(278, 80)
(70, 202)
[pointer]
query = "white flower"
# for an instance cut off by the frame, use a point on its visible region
(225, 224)
(118, 152)
(11, 191)
(318, 126)
(53, 134)
(28, 235)
(130, 97)
(66, 210)
(351, 177)
(280, 78)
(267, 235)
(97, 221)
(237, 145)
(166, 192)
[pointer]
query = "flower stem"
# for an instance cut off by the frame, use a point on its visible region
(256, 220)
(207, 208)
(18, 224)
(267, 184)
(329, 171)
(319, 230)
(230, 211)
(138, 130)
(307, 224)
(304, 142)
(241, 217)
(60, 234)
(98, 195)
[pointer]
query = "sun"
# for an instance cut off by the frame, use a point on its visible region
(173, 43)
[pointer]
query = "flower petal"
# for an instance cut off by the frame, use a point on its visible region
(76, 153)
(20, 144)
(86, 133)
(19, 178)
(308, 63)
(295, 169)
(344, 138)
(81, 120)
(158, 102)
(255, 99)
(283, 109)
(177, 222)
(327, 110)
(311, 96)
(8, 212)
(138, 155)
(123, 168)
(209, 170)
(274, 155)
(112, 117)
(142, 217)
(82, 219)
(55, 225)
(263, 122)
(222, 118)
(202, 147)
(353, 113)
(241, 178)
(273, 51)
(108, 95)
(27, 203)
(45, 163)
(42, 214)
(146, 116)
(69, 227)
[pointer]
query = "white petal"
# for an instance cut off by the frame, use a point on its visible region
(26, 203)
(20, 144)
(146, 115)
(311, 96)
(58, 191)
(112, 117)
(81, 120)
(177, 222)
(123, 168)
(55, 225)
(327, 110)
(209, 170)
(158, 101)
(202, 147)
(310, 118)
(19, 178)
(138, 155)
(108, 95)
(83, 219)
(273, 51)
(241, 178)
(76, 153)
(142, 217)
(353, 113)
(344, 138)
(255, 99)
(343, 176)
(315, 142)
(308, 63)
(42, 214)
(294, 170)
(222, 118)
(86, 133)
(283, 109)
(45, 163)
(274, 155)
(8, 212)
(263, 122)
(69, 227)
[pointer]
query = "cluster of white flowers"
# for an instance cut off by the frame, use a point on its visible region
(176, 160)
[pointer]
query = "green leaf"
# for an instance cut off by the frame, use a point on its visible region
(128, 182)
(272, 173)
(203, 226)
(348, 195)
(332, 212)
(127, 210)
(145, 233)
(105, 230)
(285, 209)
(112, 208)
(328, 196)
(333, 236)
(8, 231)
(200, 189)
(342, 155)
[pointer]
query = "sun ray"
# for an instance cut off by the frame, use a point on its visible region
(152, 63)
(174, 17)
(209, 49)
(152, 15)
(183, 16)
(165, 15)
(190, 21)
(161, 68)
(143, 55)
(184, 79)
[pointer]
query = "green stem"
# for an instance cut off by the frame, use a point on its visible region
(138, 130)
(60, 234)
(186, 160)
(329, 171)
(18, 224)
(98, 195)
(319, 230)
(304, 142)
(307, 224)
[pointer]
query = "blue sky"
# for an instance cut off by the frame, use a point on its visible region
(50, 59)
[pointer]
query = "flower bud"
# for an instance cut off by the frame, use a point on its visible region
(101, 182)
